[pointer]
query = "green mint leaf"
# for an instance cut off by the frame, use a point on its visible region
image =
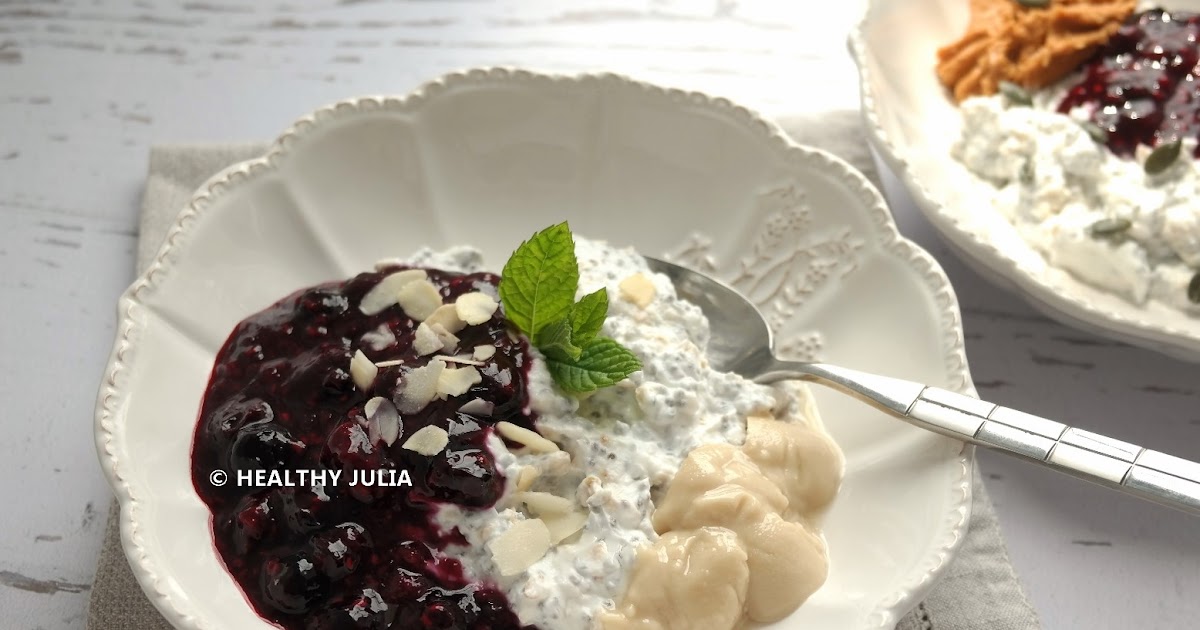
(539, 280)
(554, 340)
(604, 362)
(587, 316)
(538, 292)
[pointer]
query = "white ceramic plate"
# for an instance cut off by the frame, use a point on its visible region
(912, 122)
(486, 158)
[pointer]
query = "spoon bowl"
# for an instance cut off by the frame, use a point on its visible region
(740, 339)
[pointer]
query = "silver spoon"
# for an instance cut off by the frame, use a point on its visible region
(741, 342)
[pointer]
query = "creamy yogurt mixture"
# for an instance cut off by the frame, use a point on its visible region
(620, 446)
(1053, 182)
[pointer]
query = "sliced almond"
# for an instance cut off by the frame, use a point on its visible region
(362, 371)
(475, 308)
(420, 387)
(389, 428)
(478, 407)
(449, 341)
(383, 294)
(419, 299)
(544, 503)
(456, 381)
(428, 441)
(382, 415)
(460, 359)
(387, 263)
(531, 440)
(519, 547)
(447, 316)
(379, 339)
(563, 526)
(525, 477)
(373, 432)
(483, 353)
(391, 363)
(637, 289)
(426, 341)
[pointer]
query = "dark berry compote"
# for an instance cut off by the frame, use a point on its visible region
(1143, 87)
(282, 398)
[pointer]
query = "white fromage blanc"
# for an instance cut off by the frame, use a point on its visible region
(1053, 182)
(618, 444)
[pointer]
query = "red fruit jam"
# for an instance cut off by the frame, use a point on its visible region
(281, 398)
(1143, 87)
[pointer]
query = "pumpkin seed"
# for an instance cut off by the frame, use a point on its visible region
(1110, 226)
(1034, 4)
(1027, 173)
(1096, 132)
(1015, 93)
(1193, 291)
(1162, 157)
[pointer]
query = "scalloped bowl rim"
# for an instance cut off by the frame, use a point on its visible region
(111, 408)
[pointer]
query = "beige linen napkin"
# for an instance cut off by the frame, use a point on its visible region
(979, 591)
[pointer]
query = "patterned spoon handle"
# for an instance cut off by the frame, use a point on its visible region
(1152, 475)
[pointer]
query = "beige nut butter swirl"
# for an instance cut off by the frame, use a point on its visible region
(738, 536)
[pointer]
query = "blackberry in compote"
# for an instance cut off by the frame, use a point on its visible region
(283, 397)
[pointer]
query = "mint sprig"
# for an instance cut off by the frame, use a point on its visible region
(556, 340)
(537, 289)
(539, 280)
(587, 316)
(603, 363)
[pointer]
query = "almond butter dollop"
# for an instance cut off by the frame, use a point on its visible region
(1030, 46)
(738, 531)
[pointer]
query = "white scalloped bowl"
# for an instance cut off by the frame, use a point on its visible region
(486, 158)
(912, 123)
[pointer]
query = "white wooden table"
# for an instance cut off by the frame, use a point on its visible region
(87, 86)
